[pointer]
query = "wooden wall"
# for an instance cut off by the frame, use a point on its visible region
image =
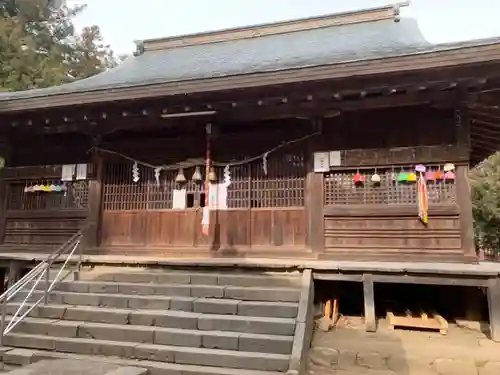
(287, 210)
(265, 205)
(379, 221)
(40, 222)
(393, 232)
(244, 229)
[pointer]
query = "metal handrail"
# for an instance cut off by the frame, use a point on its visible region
(41, 269)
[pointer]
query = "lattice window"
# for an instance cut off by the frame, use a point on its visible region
(75, 197)
(340, 188)
(282, 186)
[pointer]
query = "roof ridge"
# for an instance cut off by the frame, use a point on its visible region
(282, 27)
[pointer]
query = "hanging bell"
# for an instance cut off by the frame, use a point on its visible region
(180, 178)
(212, 176)
(196, 175)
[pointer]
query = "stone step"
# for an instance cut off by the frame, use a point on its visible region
(5, 368)
(134, 275)
(25, 356)
(72, 366)
(161, 353)
(164, 318)
(194, 304)
(260, 343)
(270, 294)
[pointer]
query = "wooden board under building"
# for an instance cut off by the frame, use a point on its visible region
(423, 321)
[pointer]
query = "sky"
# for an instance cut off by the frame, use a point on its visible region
(124, 21)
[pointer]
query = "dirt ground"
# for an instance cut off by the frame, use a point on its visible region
(349, 350)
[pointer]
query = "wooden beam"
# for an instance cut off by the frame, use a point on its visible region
(357, 95)
(37, 172)
(376, 210)
(430, 280)
(323, 108)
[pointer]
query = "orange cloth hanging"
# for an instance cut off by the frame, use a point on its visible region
(423, 207)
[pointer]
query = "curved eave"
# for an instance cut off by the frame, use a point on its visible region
(437, 56)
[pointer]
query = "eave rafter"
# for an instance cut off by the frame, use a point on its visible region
(298, 101)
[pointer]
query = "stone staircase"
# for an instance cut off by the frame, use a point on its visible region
(170, 322)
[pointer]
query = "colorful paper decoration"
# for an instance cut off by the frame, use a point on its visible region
(420, 168)
(449, 167)
(422, 200)
(45, 187)
(439, 175)
(358, 178)
(376, 178)
(449, 176)
(412, 177)
(403, 176)
(430, 175)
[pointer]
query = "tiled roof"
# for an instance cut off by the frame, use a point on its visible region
(297, 49)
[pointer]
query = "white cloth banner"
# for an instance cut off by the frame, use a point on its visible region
(179, 199)
(68, 170)
(81, 172)
(217, 197)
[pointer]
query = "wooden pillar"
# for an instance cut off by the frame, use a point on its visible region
(464, 200)
(92, 234)
(369, 303)
(494, 308)
(15, 272)
(3, 274)
(4, 189)
(314, 200)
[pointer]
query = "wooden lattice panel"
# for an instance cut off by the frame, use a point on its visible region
(340, 188)
(76, 197)
(281, 184)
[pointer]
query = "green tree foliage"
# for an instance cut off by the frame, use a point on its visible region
(40, 48)
(485, 186)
